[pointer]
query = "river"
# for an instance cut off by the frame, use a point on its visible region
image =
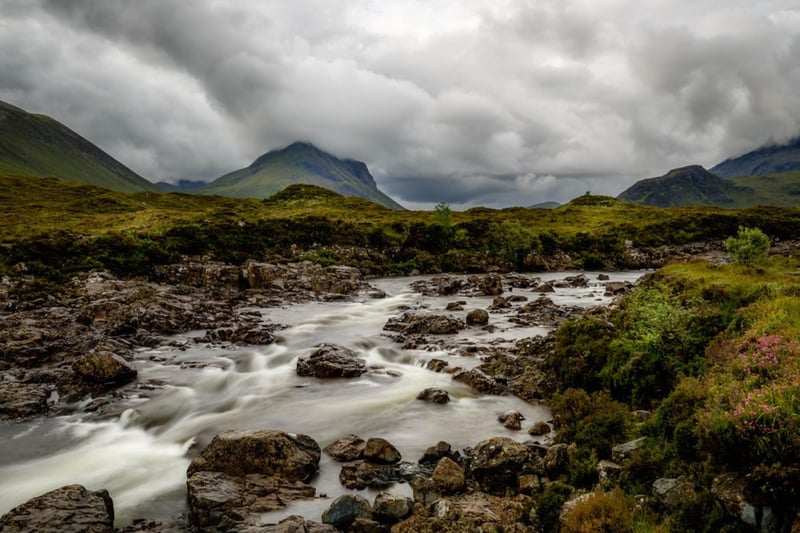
(188, 392)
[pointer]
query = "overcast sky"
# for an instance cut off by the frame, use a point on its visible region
(469, 102)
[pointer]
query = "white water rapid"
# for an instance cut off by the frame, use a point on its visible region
(187, 394)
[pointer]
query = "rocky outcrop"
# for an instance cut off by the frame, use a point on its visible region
(331, 361)
(497, 464)
(416, 324)
(21, 400)
(448, 476)
(70, 509)
(105, 368)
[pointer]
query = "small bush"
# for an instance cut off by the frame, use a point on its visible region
(595, 422)
(749, 246)
(609, 512)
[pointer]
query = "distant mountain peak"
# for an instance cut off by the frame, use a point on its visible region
(689, 185)
(769, 159)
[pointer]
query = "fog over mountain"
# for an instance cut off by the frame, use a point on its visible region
(463, 101)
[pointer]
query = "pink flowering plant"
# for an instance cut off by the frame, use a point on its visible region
(755, 406)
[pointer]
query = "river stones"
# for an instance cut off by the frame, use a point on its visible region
(69, 509)
(104, 368)
(477, 317)
(434, 395)
(511, 420)
(293, 524)
(378, 450)
(539, 428)
(448, 476)
(479, 381)
(362, 474)
(389, 508)
(497, 464)
(556, 460)
(417, 324)
(331, 361)
(347, 448)
(491, 285)
(20, 400)
(347, 509)
(432, 454)
(293, 457)
(471, 512)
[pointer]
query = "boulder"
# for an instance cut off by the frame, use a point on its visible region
(331, 361)
(500, 302)
(477, 317)
(614, 288)
(539, 428)
(556, 460)
(434, 453)
(455, 306)
(448, 476)
(104, 368)
(511, 420)
(381, 451)
(608, 472)
(273, 453)
(425, 490)
(232, 503)
(544, 288)
(20, 400)
(671, 493)
(390, 509)
(433, 325)
(362, 474)
(622, 453)
(345, 510)
(434, 395)
(437, 365)
(491, 285)
(294, 524)
(69, 509)
(481, 382)
(497, 464)
(736, 495)
(347, 448)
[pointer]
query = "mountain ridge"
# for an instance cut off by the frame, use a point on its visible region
(689, 185)
(770, 159)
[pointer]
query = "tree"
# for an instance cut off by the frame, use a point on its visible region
(443, 216)
(749, 246)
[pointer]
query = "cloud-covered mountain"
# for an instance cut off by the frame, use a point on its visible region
(767, 160)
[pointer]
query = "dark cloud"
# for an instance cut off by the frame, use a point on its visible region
(502, 103)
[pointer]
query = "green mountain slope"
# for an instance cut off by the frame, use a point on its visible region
(692, 185)
(766, 160)
(299, 163)
(37, 145)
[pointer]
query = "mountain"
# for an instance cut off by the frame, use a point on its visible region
(299, 163)
(37, 145)
(180, 185)
(692, 185)
(545, 205)
(767, 160)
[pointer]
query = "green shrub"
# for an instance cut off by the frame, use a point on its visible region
(749, 246)
(594, 422)
(609, 512)
(549, 504)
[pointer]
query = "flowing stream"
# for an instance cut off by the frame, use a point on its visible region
(186, 393)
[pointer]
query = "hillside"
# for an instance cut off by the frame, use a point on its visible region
(37, 145)
(766, 160)
(692, 185)
(299, 163)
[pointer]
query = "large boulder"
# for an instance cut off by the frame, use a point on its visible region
(671, 493)
(381, 451)
(497, 464)
(347, 448)
(104, 368)
(331, 361)
(477, 317)
(622, 453)
(347, 509)
(448, 476)
(292, 457)
(433, 454)
(491, 285)
(69, 509)
(511, 420)
(432, 325)
(218, 501)
(20, 400)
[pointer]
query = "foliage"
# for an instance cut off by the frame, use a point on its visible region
(549, 504)
(610, 512)
(749, 246)
(511, 241)
(443, 216)
(592, 421)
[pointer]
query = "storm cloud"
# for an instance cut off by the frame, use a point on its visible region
(468, 102)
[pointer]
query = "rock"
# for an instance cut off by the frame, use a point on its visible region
(20, 400)
(434, 395)
(273, 453)
(511, 420)
(294, 524)
(455, 306)
(673, 492)
(69, 509)
(390, 509)
(622, 453)
(345, 510)
(434, 453)
(104, 368)
(640, 415)
(577, 282)
(603, 277)
(544, 288)
(608, 472)
(477, 317)
(570, 505)
(433, 325)
(479, 381)
(736, 495)
(331, 361)
(491, 285)
(500, 302)
(425, 490)
(231, 503)
(539, 428)
(614, 288)
(362, 474)
(347, 448)
(367, 525)
(556, 460)
(438, 286)
(497, 464)
(437, 365)
(476, 512)
(448, 476)
(381, 451)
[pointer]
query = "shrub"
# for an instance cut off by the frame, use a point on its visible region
(749, 246)
(549, 504)
(594, 422)
(609, 512)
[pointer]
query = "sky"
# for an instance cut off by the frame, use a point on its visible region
(494, 103)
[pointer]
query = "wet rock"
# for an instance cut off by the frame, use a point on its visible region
(231, 503)
(497, 464)
(367, 525)
(21, 400)
(539, 428)
(438, 286)
(434, 395)
(362, 474)
(347, 448)
(481, 382)
(104, 368)
(736, 495)
(603, 277)
(69, 509)
(615, 288)
(673, 492)
(544, 288)
(556, 460)
(511, 420)
(293, 457)
(477, 317)
(432, 325)
(500, 302)
(448, 476)
(345, 510)
(253, 334)
(622, 453)
(574, 282)
(433, 454)
(455, 306)
(390, 509)
(293, 524)
(491, 285)
(378, 450)
(331, 361)
(436, 365)
(425, 490)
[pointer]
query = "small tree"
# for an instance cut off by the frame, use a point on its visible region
(443, 216)
(749, 246)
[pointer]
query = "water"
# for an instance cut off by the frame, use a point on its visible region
(141, 455)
